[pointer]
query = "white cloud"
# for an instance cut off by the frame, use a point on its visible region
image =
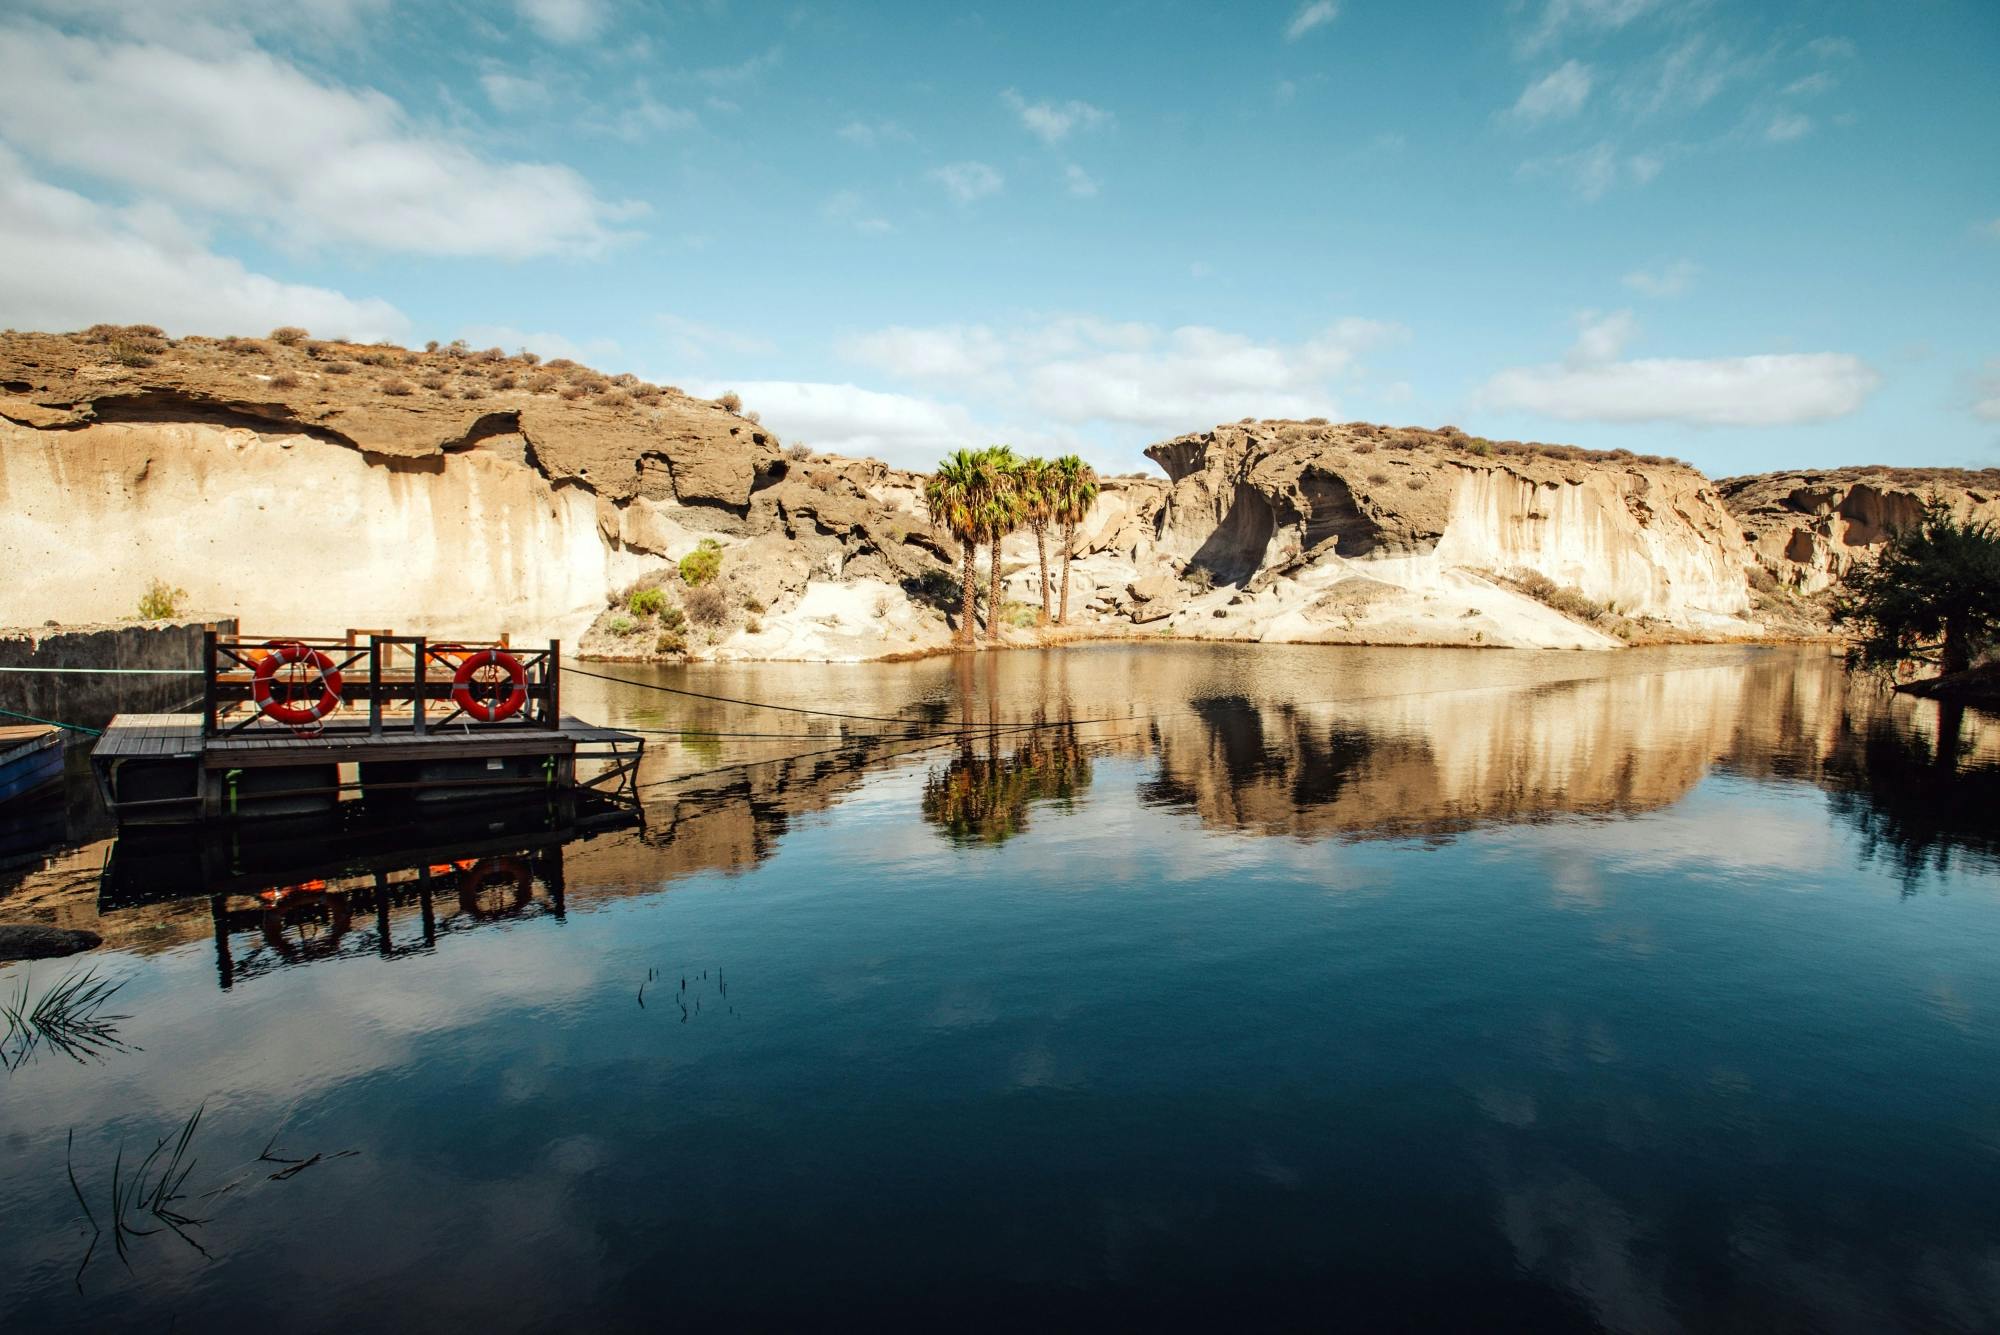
(1592, 172)
(1080, 370)
(567, 21)
(869, 133)
(967, 181)
(639, 119)
(1787, 126)
(1831, 48)
(1688, 78)
(1316, 14)
(1990, 229)
(597, 352)
(848, 207)
(1560, 16)
(1986, 391)
(240, 132)
(1777, 390)
(1812, 85)
(72, 262)
(1051, 122)
(1079, 182)
(1557, 95)
(694, 341)
(898, 429)
(510, 92)
(744, 71)
(1669, 280)
(1601, 336)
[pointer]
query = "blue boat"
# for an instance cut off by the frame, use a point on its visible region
(31, 760)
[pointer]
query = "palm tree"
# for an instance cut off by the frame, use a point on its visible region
(957, 495)
(1033, 481)
(1001, 514)
(1073, 490)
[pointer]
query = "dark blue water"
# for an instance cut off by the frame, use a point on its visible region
(1390, 989)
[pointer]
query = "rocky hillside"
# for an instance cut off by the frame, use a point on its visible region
(310, 486)
(1312, 532)
(1807, 528)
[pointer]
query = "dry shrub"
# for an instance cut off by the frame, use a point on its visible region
(798, 452)
(753, 418)
(289, 335)
(338, 368)
(493, 355)
(432, 381)
(1316, 421)
(284, 380)
(647, 396)
(616, 398)
(530, 358)
(562, 364)
(574, 392)
(730, 402)
(458, 347)
(472, 392)
(1378, 478)
(641, 388)
(376, 357)
(542, 382)
(625, 380)
(1364, 447)
(1415, 483)
(707, 605)
(820, 481)
(431, 346)
(398, 387)
(505, 380)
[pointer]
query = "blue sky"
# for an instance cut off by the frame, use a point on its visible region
(1754, 236)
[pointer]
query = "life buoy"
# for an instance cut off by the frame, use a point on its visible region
(340, 916)
(502, 872)
(279, 699)
(490, 711)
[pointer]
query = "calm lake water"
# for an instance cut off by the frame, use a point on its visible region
(1192, 985)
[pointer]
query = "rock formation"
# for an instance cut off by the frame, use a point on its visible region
(1807, 528)
(314, 486)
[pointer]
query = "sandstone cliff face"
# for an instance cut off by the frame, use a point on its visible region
(1809, 528)
(1358, 533)
(320, 486)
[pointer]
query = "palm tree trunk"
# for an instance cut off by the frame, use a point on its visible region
(1069, 543)
(968, 617)
(1042, 555)
(993, 591)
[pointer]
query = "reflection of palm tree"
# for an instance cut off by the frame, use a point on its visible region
(984, 799)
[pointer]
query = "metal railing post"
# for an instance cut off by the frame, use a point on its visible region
(422, 665)
(374, 685)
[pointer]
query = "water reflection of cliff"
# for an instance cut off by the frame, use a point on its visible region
(1351, 744)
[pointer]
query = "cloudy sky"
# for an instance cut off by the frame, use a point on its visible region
(1752, 235)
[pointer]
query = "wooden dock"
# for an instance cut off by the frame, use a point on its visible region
(297, 741)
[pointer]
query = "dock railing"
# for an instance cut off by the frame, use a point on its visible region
(384, 685)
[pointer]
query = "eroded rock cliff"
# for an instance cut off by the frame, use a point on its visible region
(312, 486)
(1807, 529)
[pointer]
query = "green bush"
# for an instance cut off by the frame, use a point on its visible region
(673, 620)
(702, 564)
(621, 625)
(670, 642)
(161, 601)
(646, 602)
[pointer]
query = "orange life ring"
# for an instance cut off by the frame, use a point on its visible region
(265, 688)
(496, 871)
(340, 917)
(489, 711)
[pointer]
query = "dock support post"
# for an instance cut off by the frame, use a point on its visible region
(374, 685)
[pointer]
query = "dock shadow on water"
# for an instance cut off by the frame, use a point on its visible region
(1639, 991)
